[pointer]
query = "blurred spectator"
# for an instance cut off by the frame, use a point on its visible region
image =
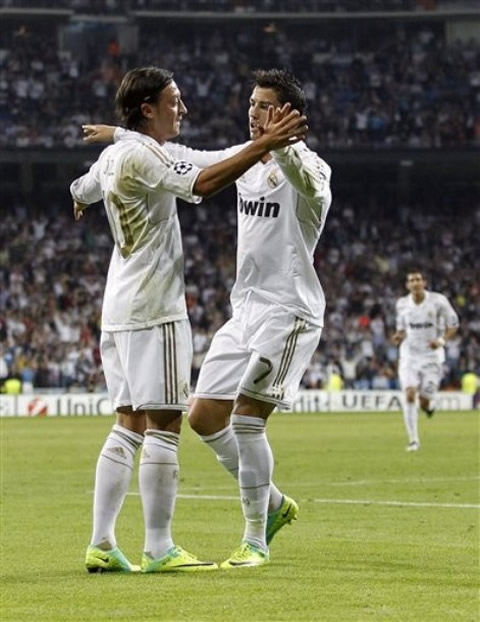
(470, 385)
(51, 284)
(12, 386)
(399, 86)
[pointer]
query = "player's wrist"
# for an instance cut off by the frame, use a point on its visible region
(262, 145)
(440, 342)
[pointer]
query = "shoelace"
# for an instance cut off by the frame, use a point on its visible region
(181, 552)
(243, 553)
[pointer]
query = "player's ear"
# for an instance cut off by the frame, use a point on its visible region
(147, 110)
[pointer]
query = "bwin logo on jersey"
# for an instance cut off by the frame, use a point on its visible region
(421, 325)
(259, 208)
(181, 167)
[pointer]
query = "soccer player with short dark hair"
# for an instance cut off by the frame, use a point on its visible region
(425, 320)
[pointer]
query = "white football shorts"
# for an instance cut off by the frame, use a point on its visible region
(149, 368)
(262, 354)
(424, 375)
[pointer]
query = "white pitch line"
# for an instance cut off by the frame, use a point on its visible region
(420, 480)
(210, 497)
(339, 501)
(358, 482)
(412, 504)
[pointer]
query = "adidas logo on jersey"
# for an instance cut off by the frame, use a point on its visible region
(259, 208)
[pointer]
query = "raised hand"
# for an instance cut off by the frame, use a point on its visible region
(98, 133)
(283, 127)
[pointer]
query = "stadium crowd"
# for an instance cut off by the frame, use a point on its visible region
(123, 6)
(386, 86)
(397, 87)
(52, 274)
(107, 7)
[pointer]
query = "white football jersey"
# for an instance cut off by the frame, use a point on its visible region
(138, 181)
(423, 323)
(281, 209)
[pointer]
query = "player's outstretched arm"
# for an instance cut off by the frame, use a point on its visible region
(283, 127)
(98, 133)
(86, 190)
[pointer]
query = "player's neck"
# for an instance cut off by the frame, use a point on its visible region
(153, 134)
(418, 298)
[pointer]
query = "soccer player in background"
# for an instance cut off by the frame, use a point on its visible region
(146, 337)
(424, 321)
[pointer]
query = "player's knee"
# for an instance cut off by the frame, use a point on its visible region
(411, 394)
(133, 420)
(209, 416)
(195, 418)
(245, 405)
(164, 420)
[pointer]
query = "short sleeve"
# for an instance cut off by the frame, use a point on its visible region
(400, 317)
(448, 313)
(154, 168)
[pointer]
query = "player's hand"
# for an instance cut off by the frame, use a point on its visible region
(98, 133)
(78, 209)
(437, 343)
(396, 339)
(283, 127)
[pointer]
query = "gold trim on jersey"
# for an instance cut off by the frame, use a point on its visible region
(170, 363)
(162, 156)
(287, 355)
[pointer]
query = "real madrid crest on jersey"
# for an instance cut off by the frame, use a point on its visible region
(272, 179)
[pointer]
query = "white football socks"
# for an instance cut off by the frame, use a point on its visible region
(158, 477)
(255, 461)
(112, 479)
(410, 417)
(224, 444)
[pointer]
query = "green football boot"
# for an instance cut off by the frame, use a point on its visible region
(176, 560)
(98, 560)
(286, 513)
(246, 556)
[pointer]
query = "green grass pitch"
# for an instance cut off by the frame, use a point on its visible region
(382, 534)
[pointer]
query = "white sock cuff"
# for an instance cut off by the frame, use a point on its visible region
(170, 440)
(128, 435)
(240, 422)
(217, 435)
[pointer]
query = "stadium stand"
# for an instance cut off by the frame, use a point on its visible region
(403, 87)
(393, 102)
(49, 317)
